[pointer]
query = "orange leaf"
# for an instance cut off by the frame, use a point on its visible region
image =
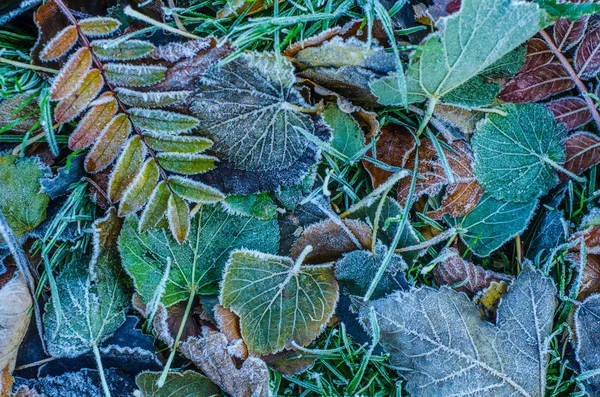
(60, 44)
(110, 141)
(94, 122)
(70, 107)
(71, 75)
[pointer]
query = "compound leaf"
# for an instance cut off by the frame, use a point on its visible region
(60, 44)
(95, 120)
(74, 103)
(140, 190)
(162, 121)
(185, 163)
(587, 350)
(109, 144)
(130, 161)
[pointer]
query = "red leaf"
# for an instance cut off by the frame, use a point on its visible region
(583, 152)
(572, 111)
(587, 57)
(567, 33)
(537, 84)
(537, 54)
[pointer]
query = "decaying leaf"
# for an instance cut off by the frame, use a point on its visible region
(448, 357)
(471, 278)
(178, 384)
(515, 156)
(209, 353)
(163, 270)
(279, 301)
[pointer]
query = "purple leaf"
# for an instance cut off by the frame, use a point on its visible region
(537, 84)
(572, 111)
(537, 54)
(587, 57)
(583, 152)
(568, 33)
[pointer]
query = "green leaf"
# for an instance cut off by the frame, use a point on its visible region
(20, 199)
(186, 163)
(151, 99)
(130, 161)
(469, 41)
(492, 223)
(109, 50)
(259, 205)
(571, 10)
(515, 155)
(178, 214)
(140, 190)
(251, 110)
(99, 26)
(279, 301)
(387, 90)
(92, 295)
(177, 144)
(477, 92)
(348, 138)
(178, 384)
(449, 350)
(162, 121)
(198, 263)
(134, 75)
(195, 191)
(156, 208)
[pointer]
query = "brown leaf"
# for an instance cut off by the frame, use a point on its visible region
(167, 322)
(455, 269)
(572, 111)
(90, 127)
(591, 238)
(50, 20)
(537, 84)
(131, 159)
(60, 44)
(210, 353)
(108, 144)
(394, 146)
(583, 152)
(229, 324)
(71, 75)
(537, 54)
(590, 280)
(70, 107)
(587, 57)
(15, 305)
(568, 33)
(234, 8)
(330, 241)
(463, 119)
(289, 362)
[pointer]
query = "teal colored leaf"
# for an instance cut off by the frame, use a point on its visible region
(348, 138)
(515, 155)
(387, 90)
(186, 163)
(492, 223)
(178, 384)
(279, 301)
(448, 350)
(259, 205)
(92, 294)
(252, 111)
(199, 262)
(21, 200)
(469, 41)
(477, 92)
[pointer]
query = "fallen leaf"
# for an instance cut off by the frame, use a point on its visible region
(587, 59)
(583, 152)
(572, 111)
(488, 300)
(177, 384)
(209, 353)
(587, 329)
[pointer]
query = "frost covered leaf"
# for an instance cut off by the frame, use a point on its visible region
(387, 91)
(93, 297)
(162, 121)
(251, 110)
(130, 161)
(355, 271)
(156, 208)
(583, 152)
(186, 163)
(122, 51)
(468, 42)
(94, 121)
(99, 26)
(587, 350)
(73, 104)
(72, 74)
(60, 44)
(567, 33)
(537, 84)
(454, 269)
(279, 301)
(178, 215)
(549, 230)
(515, 155)
(109, 144)
(492, 223)
(260, 205)
(348, 138)
(209, 352)
(140, 189)
(572, 111)
(151, 99)
(587, 58)
(177, 144)
(134, 75)
(213, 234)
(194, 191)
(15, 312)
(178, 384)
(446, 357)
(21, 200)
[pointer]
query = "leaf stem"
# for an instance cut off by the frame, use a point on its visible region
(101, 370)
(428, 114)
(582, 88)
(29, 66)
(163, 377)
(580, 179)
(307, 250)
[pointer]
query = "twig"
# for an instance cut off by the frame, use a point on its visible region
(582, 88)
